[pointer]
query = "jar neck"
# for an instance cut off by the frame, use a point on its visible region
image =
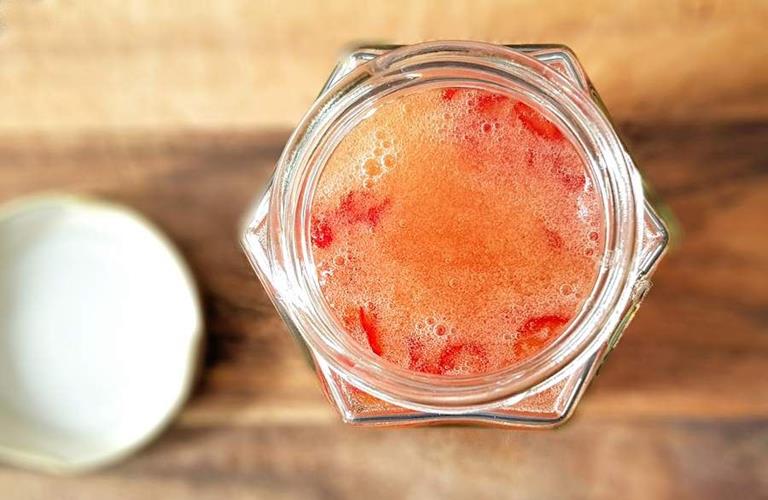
(481, 66)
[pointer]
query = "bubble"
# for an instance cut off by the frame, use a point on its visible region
(372, 167)
(388, 161)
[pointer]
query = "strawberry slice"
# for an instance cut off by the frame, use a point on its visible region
(356, 207)
(374, 212)
(449, 93)
(364, 318)
(488, 101)
(453, 354)
(321, 233)
(484, 101)
(536, 333)
(368, 323)
(361, 206)
(550, 324)
(536, 122)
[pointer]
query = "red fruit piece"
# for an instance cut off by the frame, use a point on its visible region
(536, 122)
(488, 101)
(368, 323)
(537, 332)
(356, 207)
(452, 354)
(373, 214)
(449, 93)
(361, 206)
(321, 233)
(550, 322)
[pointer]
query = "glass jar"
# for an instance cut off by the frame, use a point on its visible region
(541, 391)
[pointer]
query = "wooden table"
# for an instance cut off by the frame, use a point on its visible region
(182, 112)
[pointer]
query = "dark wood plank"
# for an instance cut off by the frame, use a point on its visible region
(699, 336)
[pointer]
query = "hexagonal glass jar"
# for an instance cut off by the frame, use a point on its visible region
(539, 392)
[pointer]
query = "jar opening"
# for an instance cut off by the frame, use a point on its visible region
(455, 230)
(470, 65)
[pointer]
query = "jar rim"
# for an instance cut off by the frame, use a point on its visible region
(505, 69)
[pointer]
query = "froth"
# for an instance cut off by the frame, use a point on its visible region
(455, 231)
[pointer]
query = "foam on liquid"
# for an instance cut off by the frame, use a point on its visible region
(455, 231)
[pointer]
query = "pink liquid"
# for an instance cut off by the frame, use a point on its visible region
(455, 231)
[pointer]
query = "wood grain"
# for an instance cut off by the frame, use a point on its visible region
(178, 63)
(182, 112)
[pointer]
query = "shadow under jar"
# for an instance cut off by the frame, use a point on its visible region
(374, 212)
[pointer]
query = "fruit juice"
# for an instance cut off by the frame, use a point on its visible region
(455, 231)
